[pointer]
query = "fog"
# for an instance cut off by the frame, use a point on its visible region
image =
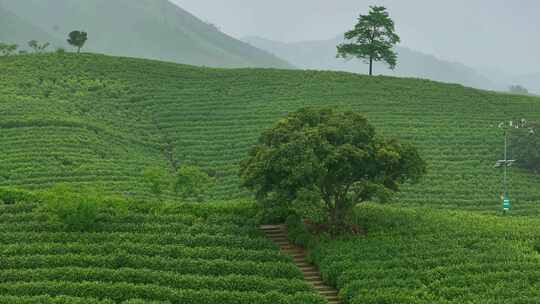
(494, 35)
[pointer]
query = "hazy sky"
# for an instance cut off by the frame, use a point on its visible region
(502, 34)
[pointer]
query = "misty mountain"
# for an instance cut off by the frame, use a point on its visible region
(15, 30)
(155, 29)
(321, 55)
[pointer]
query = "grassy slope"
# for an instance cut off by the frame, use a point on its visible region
(422, 255)
(154, 29)
(93, 118)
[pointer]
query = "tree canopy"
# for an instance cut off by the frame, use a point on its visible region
(157, 180)
(37, 47)
(77, 39)
(372, 39)
(192, 182)
(518, 89)
(525, 146)
(322, 162)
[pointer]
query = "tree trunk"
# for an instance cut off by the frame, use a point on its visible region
(370, 66)
(337, 217)
(78, 50)
(333, 220)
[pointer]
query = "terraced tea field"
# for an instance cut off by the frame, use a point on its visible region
(205, 254)
(93, 119)
(421, 255)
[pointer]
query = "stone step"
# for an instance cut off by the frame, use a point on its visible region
(278, 235)
(275, 231)
(275, 234)
(321, 285)
(328, 292)
(278, 238)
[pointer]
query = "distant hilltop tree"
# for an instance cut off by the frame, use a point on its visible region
(77, 39)
(7, 49)
(517, 89)
(213, 26)
(38, 48)
(372, 39)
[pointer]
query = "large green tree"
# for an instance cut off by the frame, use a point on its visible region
(372, 39)
(328, 162)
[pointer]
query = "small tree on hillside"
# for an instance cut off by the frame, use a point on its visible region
(157, 181)
(77, 39)
(7, 49)
(322, 161)
(372, 39)
(192, 182)
(38, 48)
(517, 89)
(525, 147)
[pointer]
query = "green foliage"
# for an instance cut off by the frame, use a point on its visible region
(38, 48)
(79, 211)
(373, 38)
(525, 147)
(122, 291)
(11, 195)
(76, 211)
(7, 49)
(77, 39)
(195, 253)
(192, 182)
(421, 255)
(157, 180)
(322, 163)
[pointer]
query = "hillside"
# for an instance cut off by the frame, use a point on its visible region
(94, 119)
(155, 29)
(15, 30)
(321, 55)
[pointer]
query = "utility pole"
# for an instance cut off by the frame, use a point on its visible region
(516, 124)
(507, 162)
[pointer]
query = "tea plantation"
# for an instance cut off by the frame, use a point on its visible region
(97, 121)
(422, 255)
(186, 254)
(93, 119)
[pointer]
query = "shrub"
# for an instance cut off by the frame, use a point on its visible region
(525, 147)
(192, 182)
(9, 195)
(79, 211)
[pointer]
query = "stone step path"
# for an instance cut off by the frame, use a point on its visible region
(278, 234)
